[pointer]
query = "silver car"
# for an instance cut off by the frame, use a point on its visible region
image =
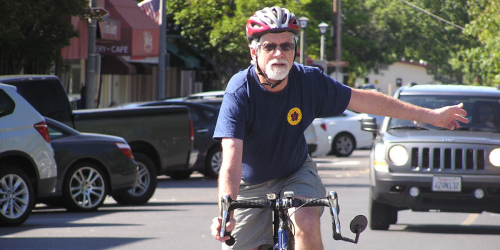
(421, 167)
(27, 164)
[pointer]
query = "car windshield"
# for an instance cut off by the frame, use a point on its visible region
(482, 112)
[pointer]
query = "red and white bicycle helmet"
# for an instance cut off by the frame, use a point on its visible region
(274, 19)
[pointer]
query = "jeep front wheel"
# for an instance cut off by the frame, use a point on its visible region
(380, 215)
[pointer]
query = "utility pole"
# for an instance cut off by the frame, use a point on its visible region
(338, 47)
(90, 64)
(163, 51)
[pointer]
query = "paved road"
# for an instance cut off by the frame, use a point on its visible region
(180, 213)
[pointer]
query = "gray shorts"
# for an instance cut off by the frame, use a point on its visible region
(253, 225)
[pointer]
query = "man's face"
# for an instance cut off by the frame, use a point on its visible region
(276, 61)
(486, 113)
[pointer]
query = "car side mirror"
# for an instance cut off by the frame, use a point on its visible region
(369, 124)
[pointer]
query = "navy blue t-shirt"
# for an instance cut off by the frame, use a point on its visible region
(272, 125)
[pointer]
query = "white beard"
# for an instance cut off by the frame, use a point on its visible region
(275, 72)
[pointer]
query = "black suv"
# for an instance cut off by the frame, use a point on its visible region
(421, 167)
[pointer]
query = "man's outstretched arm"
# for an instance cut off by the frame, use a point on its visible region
(379, 104)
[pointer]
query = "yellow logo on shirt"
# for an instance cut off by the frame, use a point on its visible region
(294, 116)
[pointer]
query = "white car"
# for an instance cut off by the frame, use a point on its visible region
(311, 139)
(27, 164)
(324, 140)
(346, 133)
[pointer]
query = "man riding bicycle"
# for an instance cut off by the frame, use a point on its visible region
(261, 124)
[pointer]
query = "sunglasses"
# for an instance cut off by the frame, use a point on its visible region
(270, 47)
(486, 113)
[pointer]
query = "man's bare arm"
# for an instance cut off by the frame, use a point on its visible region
(230, 171)
(229, 181)
(380, 104)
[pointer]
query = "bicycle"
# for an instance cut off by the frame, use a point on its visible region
(283, 231)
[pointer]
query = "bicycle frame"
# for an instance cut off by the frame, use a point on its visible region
(281, 219)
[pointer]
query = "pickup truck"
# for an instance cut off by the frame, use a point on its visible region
(161, 138)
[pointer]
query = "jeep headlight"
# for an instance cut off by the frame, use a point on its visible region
(379, 162)
(398, 155)
(495, 157)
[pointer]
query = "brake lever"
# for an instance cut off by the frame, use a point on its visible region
(335, 211)
(225, 203)
(358, 224)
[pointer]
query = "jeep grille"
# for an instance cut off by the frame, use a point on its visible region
(451, 159)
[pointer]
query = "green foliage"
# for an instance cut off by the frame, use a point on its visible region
(373, 31)
(482, 61)
(416, 35)
(33, 32)
(217, 28)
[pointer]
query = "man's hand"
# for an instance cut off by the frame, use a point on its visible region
(216, 226)
(449, 116)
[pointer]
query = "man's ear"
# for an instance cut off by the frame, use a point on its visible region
(252, 53)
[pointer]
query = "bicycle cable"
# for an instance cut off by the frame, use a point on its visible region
(297, 208)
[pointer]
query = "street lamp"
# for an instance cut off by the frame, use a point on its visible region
(322, 29)
(303, 24)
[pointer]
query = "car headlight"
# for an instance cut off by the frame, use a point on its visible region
(495, 157)
(379, 162)
(398, 155)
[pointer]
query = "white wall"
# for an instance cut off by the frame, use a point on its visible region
(115, 90)
(385, 80)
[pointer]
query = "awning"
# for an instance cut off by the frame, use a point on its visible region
(140, 35)
(179, 58)
(116, 65)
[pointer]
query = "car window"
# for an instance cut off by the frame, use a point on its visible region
(194, 114)
(42, 90)
(55, 133)
(209, 114)
(7, 105)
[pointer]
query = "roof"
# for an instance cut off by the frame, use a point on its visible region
(449, 90)
(26, 77)
(207, 95)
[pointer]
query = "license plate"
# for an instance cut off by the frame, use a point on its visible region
(446, 184)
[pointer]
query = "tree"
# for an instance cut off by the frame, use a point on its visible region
(374, 32)
(417, 35)
(33, 32)
(217, 29)
(482, 61)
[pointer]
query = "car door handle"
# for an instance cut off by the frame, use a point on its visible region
(202, 130)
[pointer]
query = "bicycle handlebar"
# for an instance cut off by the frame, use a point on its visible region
(276, 204)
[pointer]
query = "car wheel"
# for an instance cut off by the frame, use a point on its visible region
(180, 175)
(16, 197)
(213, 162)
(393, 215)
(84, 188)
(145, 185)
(343, 145)
(380, 215)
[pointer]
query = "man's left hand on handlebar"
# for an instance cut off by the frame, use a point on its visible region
(216, 226)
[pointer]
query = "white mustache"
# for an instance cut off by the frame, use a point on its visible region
(278, 61)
